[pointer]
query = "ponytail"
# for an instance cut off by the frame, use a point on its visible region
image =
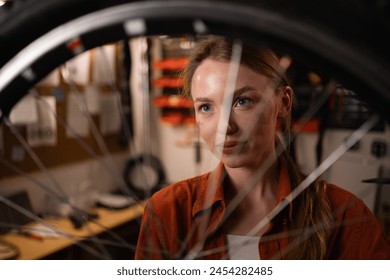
(312, 220)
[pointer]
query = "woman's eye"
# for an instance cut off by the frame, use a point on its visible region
(204, 108)
(242, 102)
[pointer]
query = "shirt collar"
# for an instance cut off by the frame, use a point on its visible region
(211, 190)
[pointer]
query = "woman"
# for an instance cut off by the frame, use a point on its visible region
(214, 215)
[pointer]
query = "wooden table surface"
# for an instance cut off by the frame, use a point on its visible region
(31, 248)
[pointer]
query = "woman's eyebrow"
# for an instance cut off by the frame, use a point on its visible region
(242, 90)
(203, 99)
(237, 92)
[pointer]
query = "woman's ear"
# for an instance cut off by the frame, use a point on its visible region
(286, 101)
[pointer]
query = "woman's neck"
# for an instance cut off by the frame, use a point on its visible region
(249, 199)
(258, 183)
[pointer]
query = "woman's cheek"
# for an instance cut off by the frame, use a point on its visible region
(210, 137)
(266, 115)
(205, 131)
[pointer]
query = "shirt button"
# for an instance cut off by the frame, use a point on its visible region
(284, 221)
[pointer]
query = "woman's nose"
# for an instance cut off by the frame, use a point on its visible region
(232, 125)
(228, 126)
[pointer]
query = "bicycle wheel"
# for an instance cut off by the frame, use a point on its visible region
(316, 35)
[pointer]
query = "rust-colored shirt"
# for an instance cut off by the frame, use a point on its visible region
(182, 221)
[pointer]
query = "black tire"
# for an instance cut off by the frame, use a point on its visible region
(344, 37)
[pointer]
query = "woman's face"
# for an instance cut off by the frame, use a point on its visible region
(248, 136)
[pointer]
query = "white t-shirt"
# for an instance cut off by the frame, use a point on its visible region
(243, 247)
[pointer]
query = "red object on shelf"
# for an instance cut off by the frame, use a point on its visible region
(168, 82)
(189, 120)
(176, 119)
(172, 101)
(171, 63)
(171, 118)
(306, 126)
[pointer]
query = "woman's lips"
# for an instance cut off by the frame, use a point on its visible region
(230, 147)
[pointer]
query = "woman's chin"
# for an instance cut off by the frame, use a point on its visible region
(232, 161)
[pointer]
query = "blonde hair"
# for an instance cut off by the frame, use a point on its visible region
(312, 217)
